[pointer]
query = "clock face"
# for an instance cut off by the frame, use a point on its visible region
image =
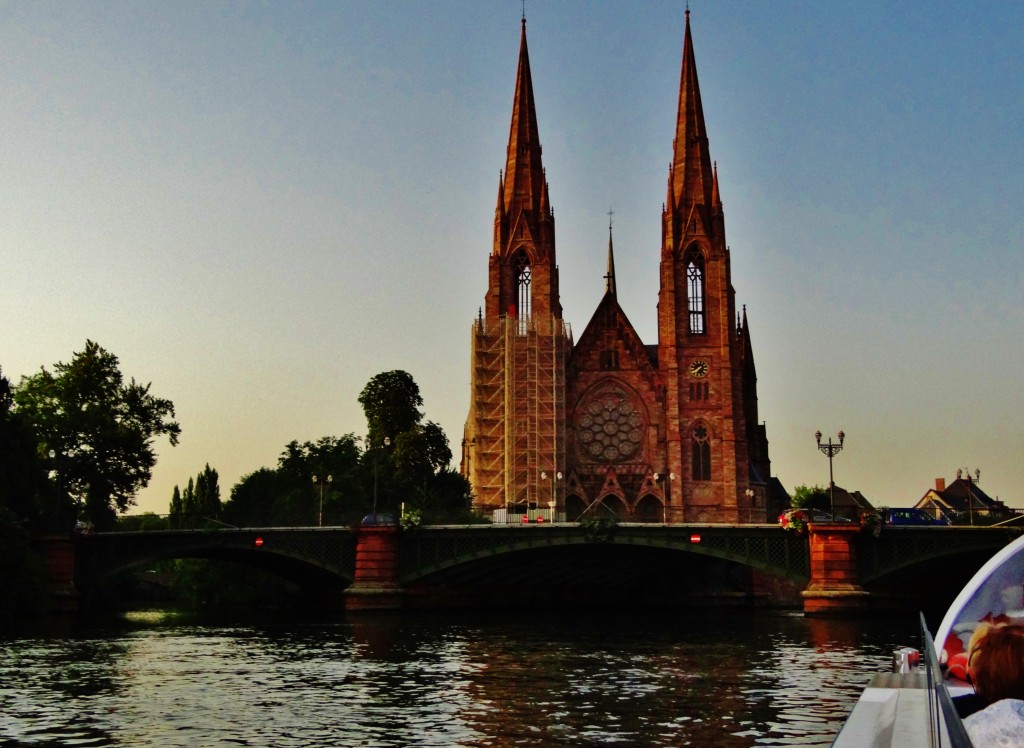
(699, 368)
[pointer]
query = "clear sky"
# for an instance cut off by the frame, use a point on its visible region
(259, 206)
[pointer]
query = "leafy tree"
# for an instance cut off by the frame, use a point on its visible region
(23, 483)
(24, 489)
(177, 509)
(414, 468)
(100, 429)
(199, 503)
(255, 500)
(22, 573)
(188, 502)
(391, 401)
(810, 497)
(288, 495)
(207, 497)
(145, 522)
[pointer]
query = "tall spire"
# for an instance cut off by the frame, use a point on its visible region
(609, 278)
(691, 174)
(524, 172)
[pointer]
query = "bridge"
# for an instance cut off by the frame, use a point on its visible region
(835, 568)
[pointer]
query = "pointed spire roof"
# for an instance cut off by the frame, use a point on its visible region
(748, 348)
(716, 198)
(524, 172)
(691, 173)
(609, 278)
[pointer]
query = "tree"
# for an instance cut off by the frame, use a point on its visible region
(199, 503)
(414, 468)
(177, 509)
(23, 484)
(207, 496)
(391, 401)
(810, 497)
(100, 429)
(288, 495)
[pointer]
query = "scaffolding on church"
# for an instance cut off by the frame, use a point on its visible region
(518, 422)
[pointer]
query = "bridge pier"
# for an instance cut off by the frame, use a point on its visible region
(835, 576)
(58, 555)
(376, 585)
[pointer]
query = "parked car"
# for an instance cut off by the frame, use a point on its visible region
(911, 517)
(810, 515)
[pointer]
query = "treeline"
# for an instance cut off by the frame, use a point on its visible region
(77, 444)
(402, 464)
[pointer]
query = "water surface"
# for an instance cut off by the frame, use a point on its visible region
(702, 679)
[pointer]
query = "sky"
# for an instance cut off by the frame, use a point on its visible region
(259, 206)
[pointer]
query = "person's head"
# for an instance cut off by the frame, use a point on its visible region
(996, 662)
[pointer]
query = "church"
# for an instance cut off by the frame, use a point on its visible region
(609, 425)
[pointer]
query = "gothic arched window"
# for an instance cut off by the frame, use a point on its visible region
(695, 290)
(701, 448)
(521, 278)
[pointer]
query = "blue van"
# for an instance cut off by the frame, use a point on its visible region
(911, 517)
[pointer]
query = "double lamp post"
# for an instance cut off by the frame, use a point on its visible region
(830, 450)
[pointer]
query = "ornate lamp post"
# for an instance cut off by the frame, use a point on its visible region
(58, 461)
(554, 494)
(556, 476)
(376, 462)
(970, 495)
(658, 478)
(830, 450)
(320, 481)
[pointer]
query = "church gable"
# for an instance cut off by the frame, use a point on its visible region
(522, 235)
(610, 343)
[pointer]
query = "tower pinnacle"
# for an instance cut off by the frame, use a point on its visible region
(691, 173)
(609, 285)
(524, 172)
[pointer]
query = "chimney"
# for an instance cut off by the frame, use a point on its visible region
(940, 484)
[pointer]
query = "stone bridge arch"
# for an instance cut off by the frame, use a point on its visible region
(899, 551)
(302, 555)
(766, 548)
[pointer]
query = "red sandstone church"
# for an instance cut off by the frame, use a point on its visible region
(609, 424)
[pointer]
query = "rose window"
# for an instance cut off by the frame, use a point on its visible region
(609, 428)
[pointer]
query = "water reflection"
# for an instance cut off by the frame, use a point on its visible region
(702, 679)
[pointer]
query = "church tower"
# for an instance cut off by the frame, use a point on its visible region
(611, 426)
(701, 354)
(515, 433)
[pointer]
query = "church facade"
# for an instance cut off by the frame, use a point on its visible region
(606, 424)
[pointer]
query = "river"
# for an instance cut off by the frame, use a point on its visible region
(704, 678)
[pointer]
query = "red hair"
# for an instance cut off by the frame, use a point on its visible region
(997, 662)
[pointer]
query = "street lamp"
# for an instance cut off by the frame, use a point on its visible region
(749, 493)
(321, 482)
(658, 478)
(970, 497)
(544, 478)
(556, 476)
(830, 450)
(58, 470)
(554, 494)
(376, 461)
